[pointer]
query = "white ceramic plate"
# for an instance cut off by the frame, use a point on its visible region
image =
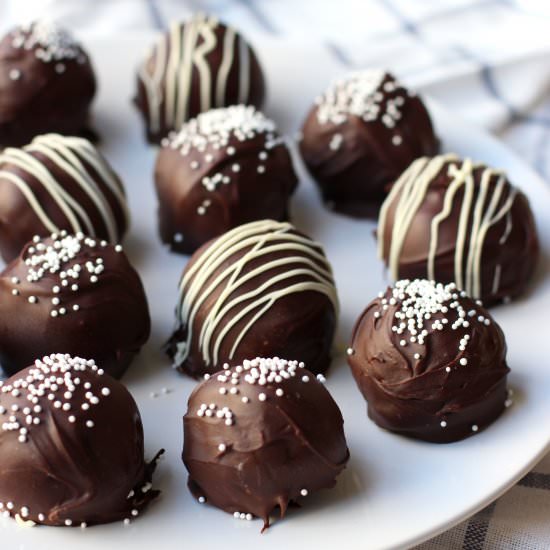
(395, 492)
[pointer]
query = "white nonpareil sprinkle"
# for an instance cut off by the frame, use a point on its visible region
(46, 259)
(425, 307)
(363, 94)
(52, 43)
(336, 142)
(217, 127)
(55, 378)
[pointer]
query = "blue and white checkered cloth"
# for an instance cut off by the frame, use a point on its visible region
(488, 60)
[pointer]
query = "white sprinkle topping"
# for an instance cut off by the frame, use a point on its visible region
(50, 42)
(217, 129)
(362, 94)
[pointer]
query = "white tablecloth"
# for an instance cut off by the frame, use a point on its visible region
(489, 60)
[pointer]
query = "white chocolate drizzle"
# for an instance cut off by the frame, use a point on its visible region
(74, 156)
(168, 73)
(303, 258)
(484, 204)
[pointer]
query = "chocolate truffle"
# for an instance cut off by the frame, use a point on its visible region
(430, 361)
(260, 436)
(56, 183)
(360, 135)
(224, 168)
(453, 220)
(71, 446)
(71, 294)
(47, 84)
(195, 66)
(262, 288)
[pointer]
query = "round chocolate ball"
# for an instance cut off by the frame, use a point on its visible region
(47, 84)
(260, 436)
(57, 183)
(196, 66)
(360, 135)
(72, 294)
(454, 220)
(261, 288)
(71, 446)
(430, 361)
(224, 168)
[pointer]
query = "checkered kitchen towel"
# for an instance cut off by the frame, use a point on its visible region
(488, 60)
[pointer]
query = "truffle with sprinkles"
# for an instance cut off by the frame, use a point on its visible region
(195, 66)
(54, 183)
(262, 288)
(71, 446)
(72, 294)
(47, 84)
(360, 135)
(261, 435)
(455, 220)
(430, 361)
(222, 169)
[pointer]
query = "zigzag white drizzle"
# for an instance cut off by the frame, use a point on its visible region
(69, 154)
(261, 238)
(187, 47)
(475, 219)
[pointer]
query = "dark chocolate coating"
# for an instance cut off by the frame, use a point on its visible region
(300, 324)
(355, 176)
(414, 396)
(69, 467)
(111, 322)
(52, 95)
(516, 258)
(276, 451)
(193, 84)
(20, 222)
(190, 214)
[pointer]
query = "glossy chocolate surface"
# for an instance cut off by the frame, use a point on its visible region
(197, 65)
(58, 183)
(71, 446)
(453, 220)
(430, 361)
(223, 169)
(360, 135)
(262, 288)
(47, 84)
(72, 295)
(260, 436)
